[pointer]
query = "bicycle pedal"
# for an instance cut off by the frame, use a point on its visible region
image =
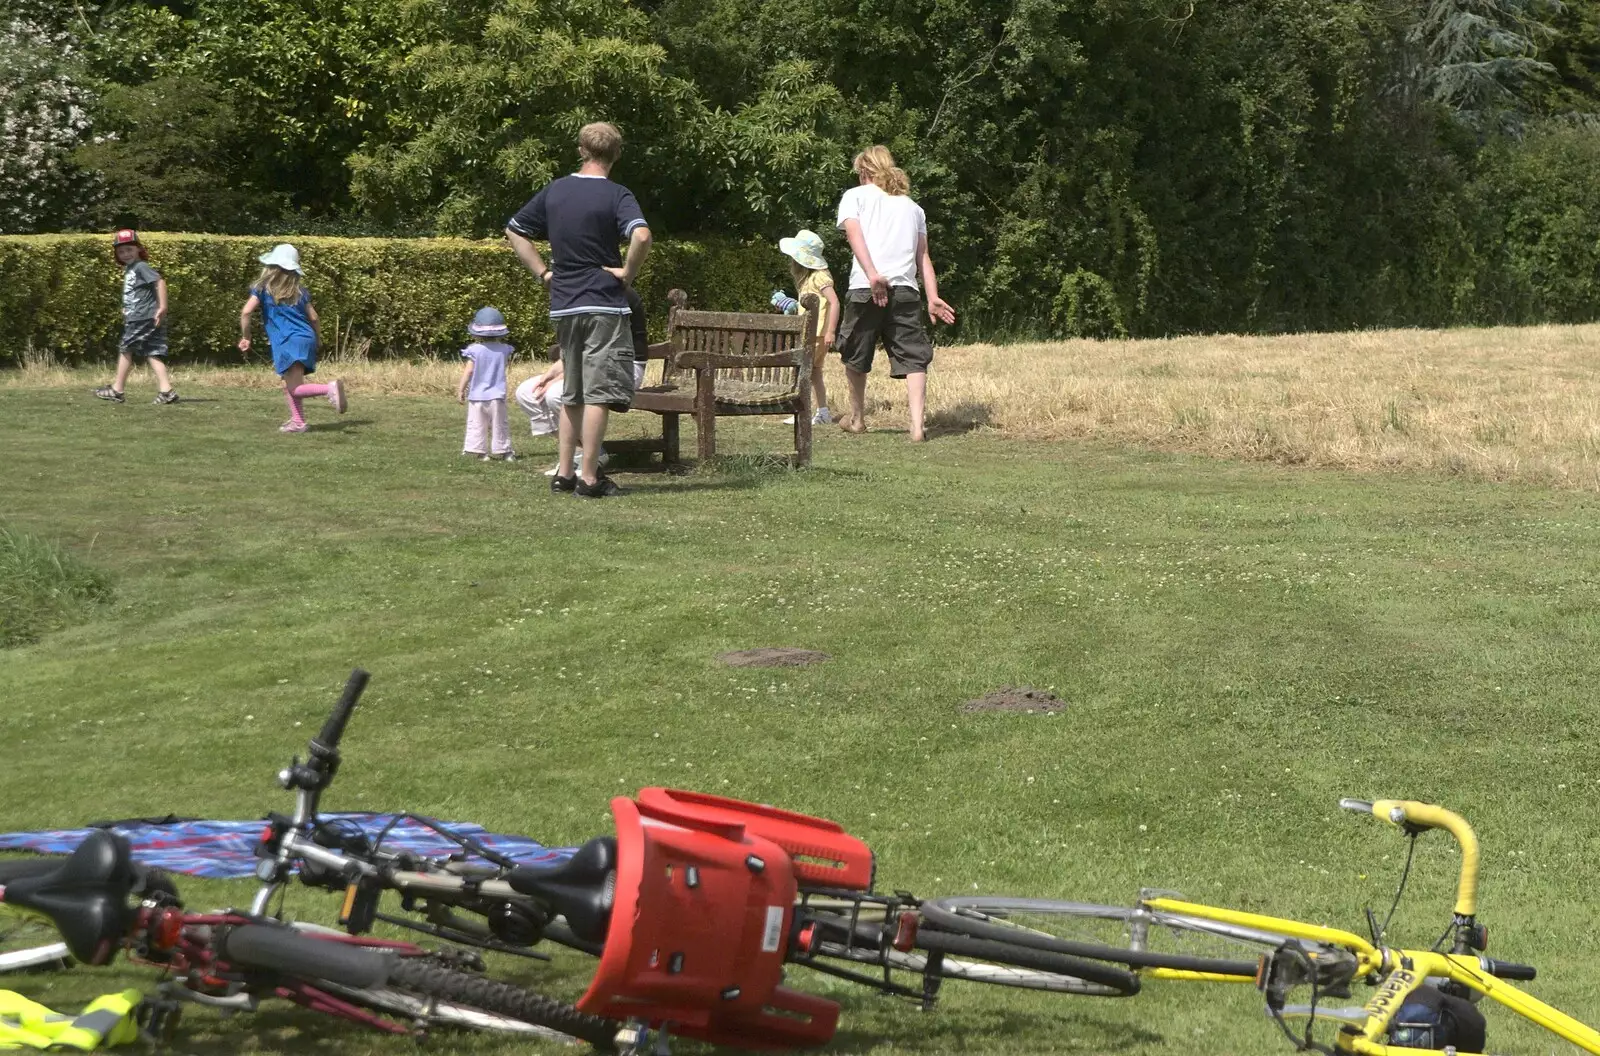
(632, 1039)
(158, 1019)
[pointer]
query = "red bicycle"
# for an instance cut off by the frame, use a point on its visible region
(101, 903)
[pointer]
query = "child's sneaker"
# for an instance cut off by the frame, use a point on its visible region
(787, 421)
(483, 458)
(292, 427)
(509, 456)
(106, 392)
(336, 395)
(170, 396)
(822, 417)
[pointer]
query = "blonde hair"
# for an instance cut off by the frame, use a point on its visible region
(600, 141)
(877, 165)
(282, 284)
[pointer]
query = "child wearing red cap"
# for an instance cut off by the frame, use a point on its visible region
(144, 319)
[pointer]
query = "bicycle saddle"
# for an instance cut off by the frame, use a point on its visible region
(580, 888)
(85, 897)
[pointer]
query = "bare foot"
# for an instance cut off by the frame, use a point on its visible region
(917, 438)
(853, 425)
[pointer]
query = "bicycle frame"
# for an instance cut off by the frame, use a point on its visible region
(1402, 970)
(178, 942)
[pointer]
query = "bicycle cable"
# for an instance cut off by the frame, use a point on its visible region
(1378, 932)
(1440, 940)
(466, 843)
(1306, 1043)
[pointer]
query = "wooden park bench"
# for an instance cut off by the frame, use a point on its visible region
(725, 364)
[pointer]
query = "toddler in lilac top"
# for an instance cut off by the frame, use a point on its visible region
(483, 387)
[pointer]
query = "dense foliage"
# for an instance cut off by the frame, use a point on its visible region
(383, 297)
(1089, 167)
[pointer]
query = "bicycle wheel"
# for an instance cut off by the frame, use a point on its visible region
(1139, 937)
(471, 1000)
(27, 941)
(418, 987)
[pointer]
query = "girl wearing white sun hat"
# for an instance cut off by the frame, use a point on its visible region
(292, 331)
(809, 269)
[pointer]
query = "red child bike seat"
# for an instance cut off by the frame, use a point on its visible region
(700, 924)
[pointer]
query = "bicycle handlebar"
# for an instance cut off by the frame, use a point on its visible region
(1522, 973)
(1408, 813)
(333, 729)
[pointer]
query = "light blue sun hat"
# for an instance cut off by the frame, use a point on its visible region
(805, 248)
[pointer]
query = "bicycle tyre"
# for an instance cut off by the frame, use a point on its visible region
(432, 980)
(288, 952)
(1049, 924)
(1123, 982)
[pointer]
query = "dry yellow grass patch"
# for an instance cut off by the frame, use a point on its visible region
(1502, 404)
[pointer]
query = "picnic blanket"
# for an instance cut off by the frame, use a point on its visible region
(225, 850)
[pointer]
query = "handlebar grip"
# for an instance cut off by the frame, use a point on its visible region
(1522, 973)
(333, 729)
(1360, 806)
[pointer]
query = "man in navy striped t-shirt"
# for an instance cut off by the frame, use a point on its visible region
(585, 216)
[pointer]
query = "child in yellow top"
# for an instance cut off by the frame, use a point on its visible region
(811, 275)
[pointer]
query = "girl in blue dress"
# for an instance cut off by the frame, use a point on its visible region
(292, 331)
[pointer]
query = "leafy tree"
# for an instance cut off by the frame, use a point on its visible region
(486, 105)
(169, 156)
(1575, 56)
(306, 79)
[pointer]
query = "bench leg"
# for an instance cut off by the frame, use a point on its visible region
(669, 440)
(705, 413)
(802, 438)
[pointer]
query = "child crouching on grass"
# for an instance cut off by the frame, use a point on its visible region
(144, 319)
(292, 331)
(810, 272)
(483, 387)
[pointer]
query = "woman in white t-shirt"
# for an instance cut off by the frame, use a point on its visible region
(888, 235)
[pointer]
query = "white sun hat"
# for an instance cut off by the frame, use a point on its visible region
(806, 249)
(283, 255)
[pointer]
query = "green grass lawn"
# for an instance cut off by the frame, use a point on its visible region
(1238, 646)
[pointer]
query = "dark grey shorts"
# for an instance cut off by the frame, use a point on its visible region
(597, 358)
(897, 324)
(142, 337)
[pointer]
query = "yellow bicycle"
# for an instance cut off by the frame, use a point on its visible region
(1424, 1001)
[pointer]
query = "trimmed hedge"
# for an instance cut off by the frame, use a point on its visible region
(409, 297)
